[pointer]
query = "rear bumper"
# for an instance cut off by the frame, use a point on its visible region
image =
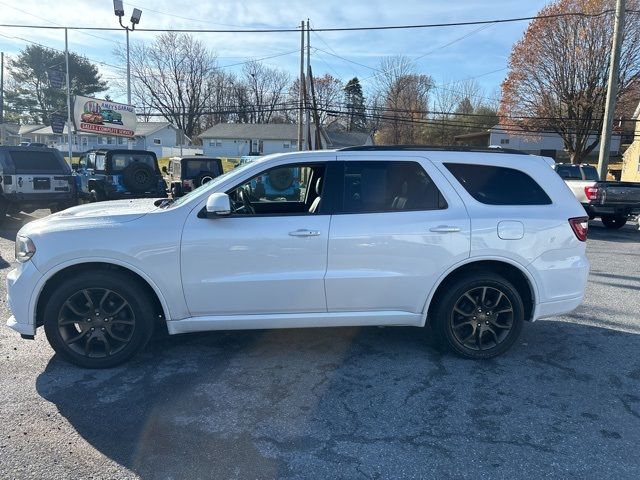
(40, 199)
(560, 307)
(617, 210)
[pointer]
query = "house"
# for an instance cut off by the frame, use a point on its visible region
(162, 138)
(537, 143)
(238, 139)
(631, 158)
(9, 134)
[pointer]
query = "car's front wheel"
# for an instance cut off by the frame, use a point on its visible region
(98, 319)
(479, 316)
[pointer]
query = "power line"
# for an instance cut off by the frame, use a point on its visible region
(334, 29)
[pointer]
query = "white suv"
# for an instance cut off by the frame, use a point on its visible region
(473, 243)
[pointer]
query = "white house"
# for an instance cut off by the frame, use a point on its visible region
(162, 138)
(238, 139)
(538, 143)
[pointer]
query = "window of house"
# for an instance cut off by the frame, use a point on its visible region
(157, 141)
(121, 140)
(498, 185)
(85, 141)
(102, 140)
(370, 187)
(215, 143)
(504, 141)
(286, 145)
(111, 140)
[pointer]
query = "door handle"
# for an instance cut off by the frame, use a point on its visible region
(303, 232)
(444, 229)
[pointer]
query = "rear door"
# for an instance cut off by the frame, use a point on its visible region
(40, 171)
(398, 226)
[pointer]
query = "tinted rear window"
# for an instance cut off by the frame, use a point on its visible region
(196, 167)
(590, 173)
(498, 185)
(569, 172)
(42, 162)
(120, 161)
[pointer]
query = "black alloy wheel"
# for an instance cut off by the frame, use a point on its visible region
(98, 319)
(480, 315)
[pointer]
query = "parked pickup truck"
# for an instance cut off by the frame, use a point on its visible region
(613, 202)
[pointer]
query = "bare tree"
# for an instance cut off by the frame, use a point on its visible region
(267, 88)
(328, 92)
(175, 77)
(558, 73)
(404, 95)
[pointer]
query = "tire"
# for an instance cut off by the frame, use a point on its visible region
(204, 177)
(139, 177)
(452, 328)
(129, 329)
(614, 221)
(281, 178)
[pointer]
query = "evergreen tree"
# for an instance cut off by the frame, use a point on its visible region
(32, 97)
(356, 117)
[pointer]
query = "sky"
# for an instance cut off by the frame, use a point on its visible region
(448, 54)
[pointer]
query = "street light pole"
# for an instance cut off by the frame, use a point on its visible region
(66, 59)
(128, 71)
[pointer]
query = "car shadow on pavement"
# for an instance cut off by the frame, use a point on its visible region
(362, 402)
(10, 225)
(627, 234)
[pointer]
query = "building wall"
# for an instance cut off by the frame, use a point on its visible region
(631, 160)
(535, 143)
(226, 147)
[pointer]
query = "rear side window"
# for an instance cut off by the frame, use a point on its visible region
(370, 187)
(590, 173)
(498, 185)
(42, 162)
(120, 161)
(196, 167)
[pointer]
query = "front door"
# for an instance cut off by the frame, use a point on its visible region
(269, 256)
(398, 226)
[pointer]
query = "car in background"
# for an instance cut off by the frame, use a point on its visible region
(613, 202)
(111, 116)
(91, 117)
(32, 178)
(33, 144)
(116, 174)
(278, 184)
(472, 243)
(187, 173)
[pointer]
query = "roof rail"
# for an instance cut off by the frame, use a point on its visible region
(433, 148)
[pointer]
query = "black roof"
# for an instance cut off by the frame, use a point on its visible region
(431, 148)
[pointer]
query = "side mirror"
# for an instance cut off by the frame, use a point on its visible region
(218, 205)
(164, 169)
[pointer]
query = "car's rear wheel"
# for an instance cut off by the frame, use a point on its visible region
(479, 316)
(614, 221)
(98, 319)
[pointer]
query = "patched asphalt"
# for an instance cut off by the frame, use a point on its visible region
(342, 402)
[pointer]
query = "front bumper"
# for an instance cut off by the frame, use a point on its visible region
(21, 288)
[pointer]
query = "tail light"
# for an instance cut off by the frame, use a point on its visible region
(591, 193)
(580, 226)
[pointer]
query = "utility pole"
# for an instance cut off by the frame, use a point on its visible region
(1, 88)
(301, 89)
(66, 59)
(306, 89)
(612, 92)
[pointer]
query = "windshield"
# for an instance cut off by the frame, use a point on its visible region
(212, 184)
(120, 161)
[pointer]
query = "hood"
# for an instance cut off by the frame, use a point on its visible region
(92, 214)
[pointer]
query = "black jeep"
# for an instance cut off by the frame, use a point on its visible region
(32, 178)
(115, 174)
(186, 173)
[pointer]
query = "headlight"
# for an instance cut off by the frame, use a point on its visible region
(25, 249)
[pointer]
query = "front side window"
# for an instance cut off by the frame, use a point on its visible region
(493, 185)
(100, 161)
(286, 190)
(370, 187)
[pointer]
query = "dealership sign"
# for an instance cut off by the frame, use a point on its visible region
(103, 117)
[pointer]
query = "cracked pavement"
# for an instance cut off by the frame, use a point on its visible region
(342, 402)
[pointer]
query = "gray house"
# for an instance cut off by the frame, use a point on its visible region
(238, 139)
(158, 137)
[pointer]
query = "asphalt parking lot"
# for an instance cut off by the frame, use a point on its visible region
(340, 403)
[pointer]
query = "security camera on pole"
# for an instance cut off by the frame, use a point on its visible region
(118, 9)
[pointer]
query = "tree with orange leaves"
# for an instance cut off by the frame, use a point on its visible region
(558, 72)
